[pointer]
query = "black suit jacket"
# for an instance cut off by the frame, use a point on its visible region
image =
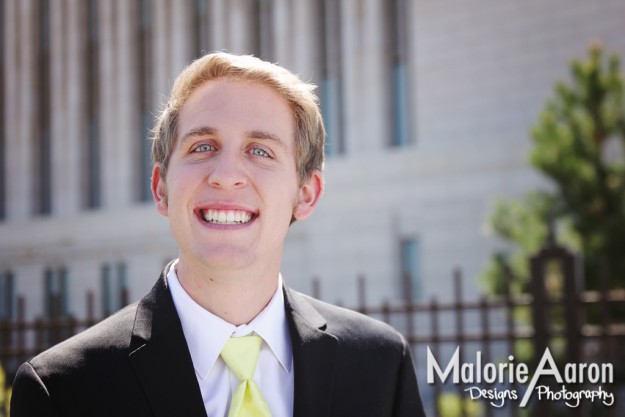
(137, 363)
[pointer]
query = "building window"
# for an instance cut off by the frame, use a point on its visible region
(92, 90)
(56, 306)
(43, 145)
(7, 296)
(400, 87)
(56, 297)
(144, 72)
(114, 287)
(410, 261)
(331, 81)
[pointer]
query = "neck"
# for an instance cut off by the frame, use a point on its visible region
(236, 296)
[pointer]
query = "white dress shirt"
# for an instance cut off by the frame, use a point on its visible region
(206, 335)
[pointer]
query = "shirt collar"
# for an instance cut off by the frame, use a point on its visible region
(206, 334)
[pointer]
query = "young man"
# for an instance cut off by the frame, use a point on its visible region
(238, 155)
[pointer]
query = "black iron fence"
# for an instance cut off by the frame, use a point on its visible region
(578, 327)
(21, 339)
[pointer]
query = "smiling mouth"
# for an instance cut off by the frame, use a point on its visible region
(226, 217)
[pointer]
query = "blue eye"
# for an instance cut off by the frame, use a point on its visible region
(259, 152)
(205, 147)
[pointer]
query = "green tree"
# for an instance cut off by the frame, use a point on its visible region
(578, 143)
(452, 405)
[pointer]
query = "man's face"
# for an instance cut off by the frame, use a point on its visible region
(231, 186)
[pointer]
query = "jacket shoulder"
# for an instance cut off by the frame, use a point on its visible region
(352, 326)
(106, 339)
(90, 368)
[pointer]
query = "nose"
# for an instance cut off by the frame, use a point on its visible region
(227, 171)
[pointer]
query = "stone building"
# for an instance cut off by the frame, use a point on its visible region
(427, 103)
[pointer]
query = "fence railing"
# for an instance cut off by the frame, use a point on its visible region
(495, 325)
(21, 339)
(579, 326)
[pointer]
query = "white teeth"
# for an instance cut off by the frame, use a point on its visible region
(226, 216)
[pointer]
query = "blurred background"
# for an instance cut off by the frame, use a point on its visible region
(453, 156)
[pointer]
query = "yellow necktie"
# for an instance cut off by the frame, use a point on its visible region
(241, 355)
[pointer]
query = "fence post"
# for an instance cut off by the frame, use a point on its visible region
(362, 294)
(511, 328)
(539, 306)
(542, 303)
(542, 300)
(21, 328)
(316, 288)
(409, 305)
(458, 309)
(434, 331)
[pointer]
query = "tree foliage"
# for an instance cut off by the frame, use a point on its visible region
(5, 394)
(578, 145)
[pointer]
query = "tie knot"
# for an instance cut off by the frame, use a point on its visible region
(241, 355)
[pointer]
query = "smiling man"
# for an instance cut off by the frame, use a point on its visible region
(238, 156)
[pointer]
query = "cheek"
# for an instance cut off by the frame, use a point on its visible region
(284, 199)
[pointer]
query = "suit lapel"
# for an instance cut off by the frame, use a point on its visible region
(161, 358)
(314, 357)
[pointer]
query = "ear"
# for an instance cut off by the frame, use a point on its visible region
(159, 190)
(308, 197)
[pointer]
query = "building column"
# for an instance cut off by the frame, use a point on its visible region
(161, 48)
(181, 41)
(127, 141)
(21, 85)
(365, 76)
(11, 108)
(306, 41)
(61, 152)
(71, 194)
(218, 25)
(376, 79)
(109, 124)
(352, 80)
(281, 34)
(240, 26)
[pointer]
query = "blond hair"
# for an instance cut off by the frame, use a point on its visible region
(309, 130)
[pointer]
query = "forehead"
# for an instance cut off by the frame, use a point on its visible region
(232, 105)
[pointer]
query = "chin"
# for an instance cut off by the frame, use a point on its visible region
(227, 257)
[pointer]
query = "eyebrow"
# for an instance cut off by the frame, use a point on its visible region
(255, 134)
(259, 134)
(198, 131)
